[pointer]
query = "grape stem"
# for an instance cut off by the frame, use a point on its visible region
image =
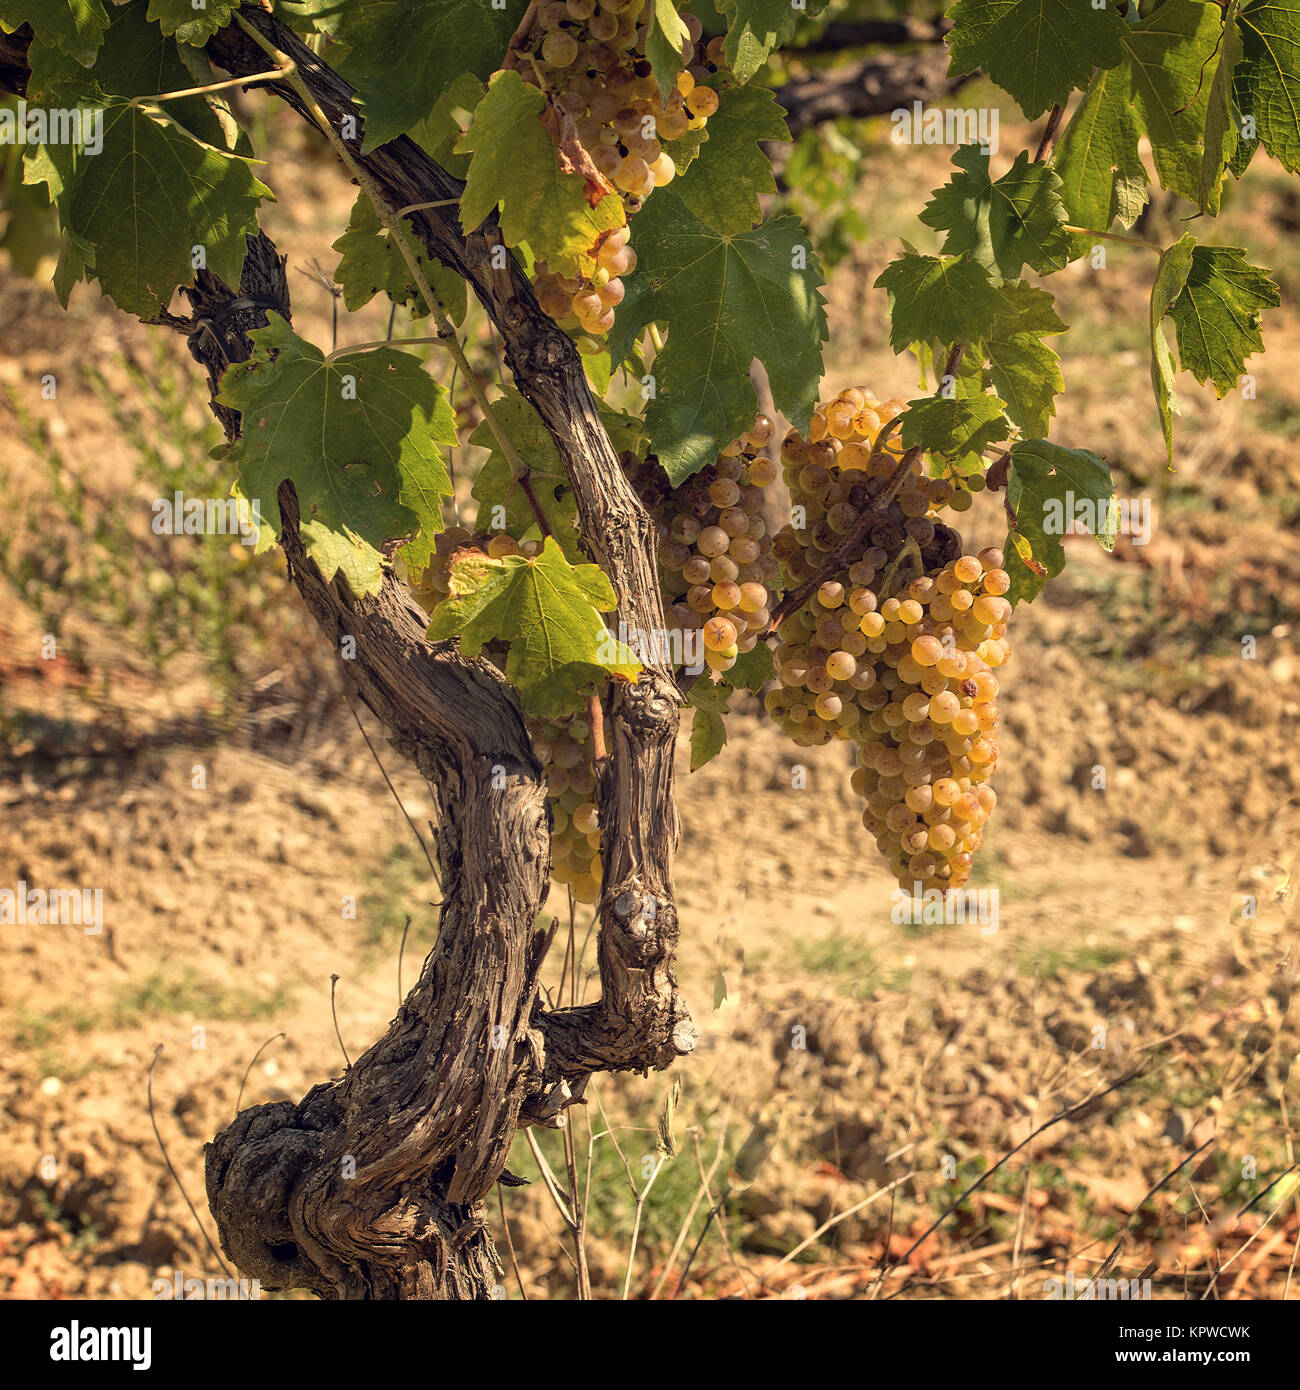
(656, 338)
(393, 222)
(909, 549)
(1050, 131)
(596, 718)
(1115, 236)
(519, 39)
(853, 542)
(273, 75)
(525, 481)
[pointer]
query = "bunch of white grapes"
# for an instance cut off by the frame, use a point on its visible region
(827, 646)
(928, 745)
(715, 551)
(896, 648)
(591, 57)
(566, 750)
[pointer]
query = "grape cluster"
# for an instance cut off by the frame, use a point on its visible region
(825, 659)
(592, 58)
(716, 565)
(928, 745)
(896, 649)
(564, 747)
(566, 750)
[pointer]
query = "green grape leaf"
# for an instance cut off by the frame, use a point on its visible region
(728, 300)
(1017, 220)
(550, 613)
(1268, 76)
(1168, 57)
(372, 263)
(190, 25)
(1217, 315)
(951, 299)
(956, 427)
(729, 175)
(1101, 171)
(1037, 50)
(1220, 124)
(1171, 276)
(75, 26)
(361, 436)
(708, 726)
(502, 503)
(515, 165)
(434, 41)
(663, 45)
(1049, 488)
(152, 194)
(1024, 371)
(756, 27)
(752, 670)
(440, 131)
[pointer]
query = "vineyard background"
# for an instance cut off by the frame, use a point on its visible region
(1118, 907)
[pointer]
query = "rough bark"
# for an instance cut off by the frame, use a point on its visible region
(641, 1021)
(370, 1187)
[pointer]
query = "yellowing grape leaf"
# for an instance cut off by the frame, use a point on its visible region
(549, 611)
(1217, 315)
(372, 263)
(360, 435)
(727, 299)
(1002, 225)
(1038, 50)
(514, 165)
(1051, 488)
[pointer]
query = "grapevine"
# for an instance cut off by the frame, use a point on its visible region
(583, 194)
